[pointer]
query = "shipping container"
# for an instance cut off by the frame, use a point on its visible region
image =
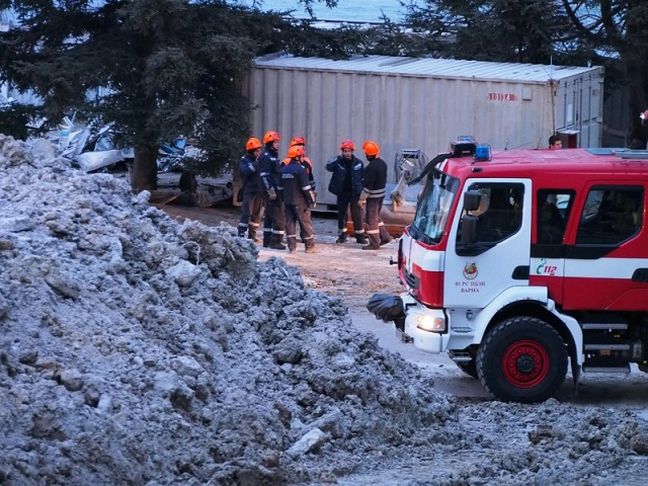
(421, 103)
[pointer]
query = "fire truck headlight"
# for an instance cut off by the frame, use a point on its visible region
(431, 323)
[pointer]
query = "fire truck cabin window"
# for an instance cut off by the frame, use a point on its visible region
(611, 215)
(500, 211)
(553, 207)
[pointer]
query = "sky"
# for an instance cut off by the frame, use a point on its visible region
(356, 10)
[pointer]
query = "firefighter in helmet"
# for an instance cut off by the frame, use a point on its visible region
(346, 184)
(373, 193)
(305, 162)
(269, 174)
(251, 202)
(298, 197)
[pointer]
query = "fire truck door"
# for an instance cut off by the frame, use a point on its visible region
(477, 272)
(609, 223)
(552, 212)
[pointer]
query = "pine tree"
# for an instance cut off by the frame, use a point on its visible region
(619, 30)
(157, 68)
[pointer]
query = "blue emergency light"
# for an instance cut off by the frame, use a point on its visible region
(482, 153)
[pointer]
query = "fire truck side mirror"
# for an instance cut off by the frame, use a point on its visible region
(472, 200)
(468, 229)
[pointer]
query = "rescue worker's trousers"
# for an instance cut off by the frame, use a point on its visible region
(251, 209)
(301, 213)
(274, 224)
(376, 231)
(345, 200)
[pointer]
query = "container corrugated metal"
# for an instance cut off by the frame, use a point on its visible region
(420, 103)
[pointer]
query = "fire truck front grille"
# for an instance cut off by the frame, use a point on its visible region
(411, 280)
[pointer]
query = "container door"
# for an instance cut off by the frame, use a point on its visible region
(498, 258)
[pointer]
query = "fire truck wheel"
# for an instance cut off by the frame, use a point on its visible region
(522, 359)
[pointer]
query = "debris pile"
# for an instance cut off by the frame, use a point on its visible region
(134, 349)
(137, 350)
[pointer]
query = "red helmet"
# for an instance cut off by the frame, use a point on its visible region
(297, 141)
(347, 145)
(252, 144)
(371, 148)
(271, 137)
(295, 151)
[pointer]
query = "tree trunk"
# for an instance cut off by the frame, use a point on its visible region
(144, 174)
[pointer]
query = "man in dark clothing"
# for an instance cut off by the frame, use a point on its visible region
(306, 164)
(373, 193)
(298, 197)
(252, 204)
(555, 142)
(269, 173)
(346, 184)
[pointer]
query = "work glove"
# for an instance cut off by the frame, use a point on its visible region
(272, 194)
(362, 200)
(311, 198)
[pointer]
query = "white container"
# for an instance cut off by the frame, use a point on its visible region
(420, 103)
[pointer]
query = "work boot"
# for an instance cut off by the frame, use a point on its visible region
(311, 249)
(371, 247)
(241, 233)
(252, 236)
(362, 239)
(385, 237)
(342, 238)
(266, 239)
(252, 233)
(275, 243)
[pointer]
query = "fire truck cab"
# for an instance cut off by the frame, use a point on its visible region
(520, 262)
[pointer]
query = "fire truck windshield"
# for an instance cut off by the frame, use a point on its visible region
(433, 207)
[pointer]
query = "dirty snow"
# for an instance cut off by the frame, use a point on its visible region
(134, 349)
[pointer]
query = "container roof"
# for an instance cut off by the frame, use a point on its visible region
(427, 67)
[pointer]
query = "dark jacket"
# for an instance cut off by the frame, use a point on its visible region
(269, 167)
(375, 178)
(249, 177)
(294, 185)
(339, 166)
(306, 164)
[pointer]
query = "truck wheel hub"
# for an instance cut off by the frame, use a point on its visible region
(525, 363)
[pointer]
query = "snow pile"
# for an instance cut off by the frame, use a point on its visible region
(137, 350)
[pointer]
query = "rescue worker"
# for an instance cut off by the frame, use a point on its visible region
(306, 163)
(298, 197)
(346, 183)
(373, 193)
(252, 203)
(269, 173)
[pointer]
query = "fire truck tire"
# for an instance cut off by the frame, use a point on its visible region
(522, 359)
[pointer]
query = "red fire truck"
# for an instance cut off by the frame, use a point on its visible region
(518, 262)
